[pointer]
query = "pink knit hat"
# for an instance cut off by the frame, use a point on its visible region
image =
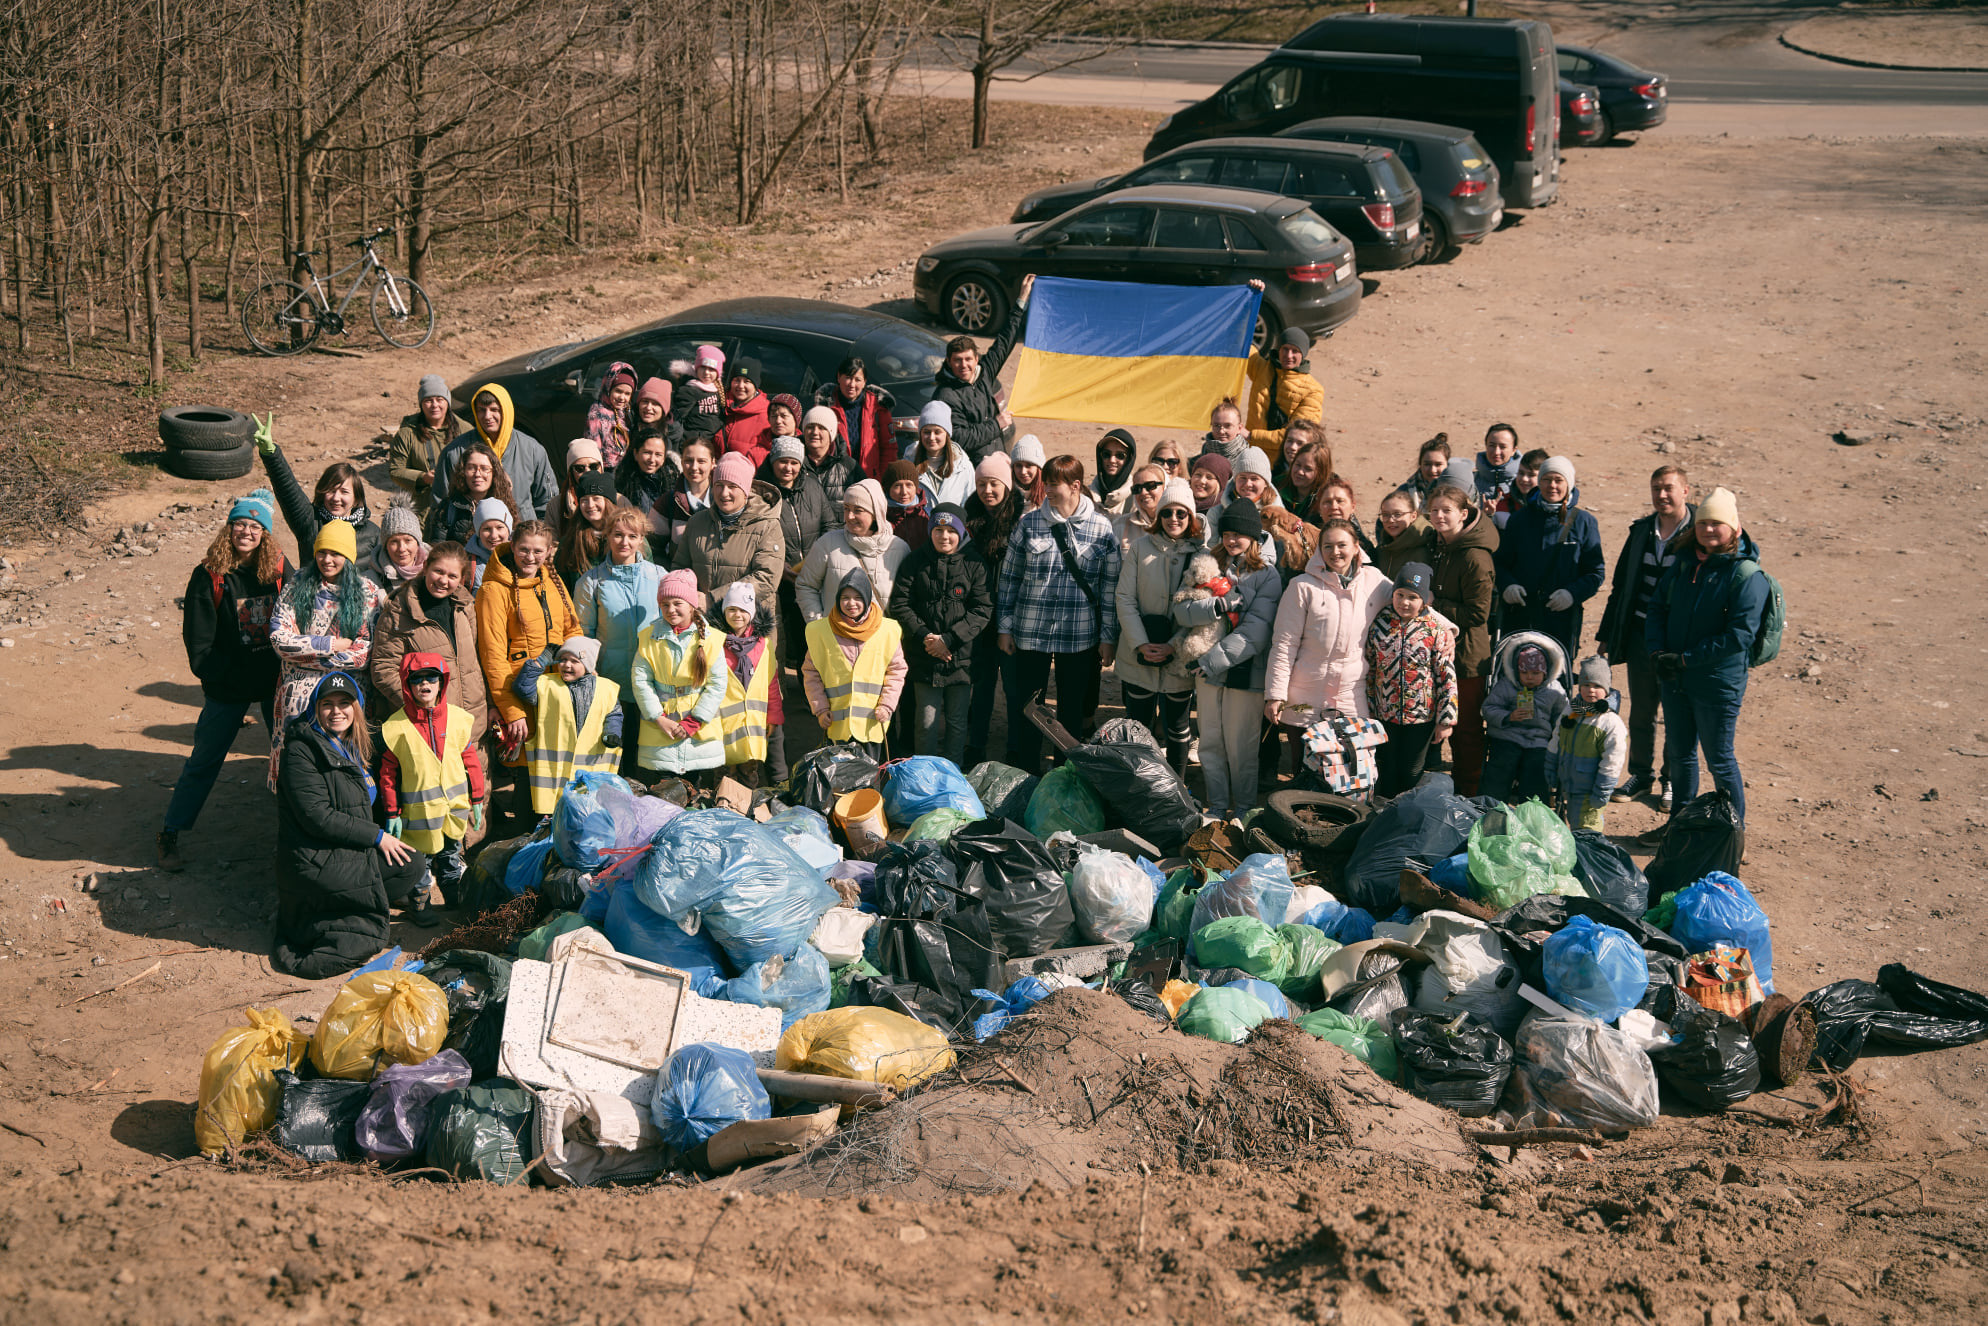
(680, 585)
(736, 468)
(997, 466)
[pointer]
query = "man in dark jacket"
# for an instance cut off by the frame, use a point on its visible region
(970, 382)
(943, 597)
(1550, 560)
(1699, 631)
(1646, 554)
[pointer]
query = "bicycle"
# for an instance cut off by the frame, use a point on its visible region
(284, 318)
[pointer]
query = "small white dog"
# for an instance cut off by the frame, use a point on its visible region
(1191, 642)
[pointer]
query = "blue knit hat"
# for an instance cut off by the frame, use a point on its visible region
(259, 506)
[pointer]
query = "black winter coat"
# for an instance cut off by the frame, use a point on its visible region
(951, 597)
(304, 519)
(975, 406)
(227, 635)
(805, 512)
(1620, 633)
(836, 474)
(331, 890)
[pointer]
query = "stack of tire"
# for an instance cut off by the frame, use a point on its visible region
(207, 442)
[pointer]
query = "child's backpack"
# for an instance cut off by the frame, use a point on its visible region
(1773, 617)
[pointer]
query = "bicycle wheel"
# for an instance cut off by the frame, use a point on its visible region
(402, 313)
(281, 318)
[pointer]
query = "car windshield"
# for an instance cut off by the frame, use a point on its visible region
(1308, 230)
(891, 355)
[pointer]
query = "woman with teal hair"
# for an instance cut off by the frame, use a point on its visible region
(323, 623)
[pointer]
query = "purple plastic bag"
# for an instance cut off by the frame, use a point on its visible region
(394, 1124)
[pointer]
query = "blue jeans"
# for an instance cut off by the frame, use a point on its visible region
(1693, 719)
(213, 737)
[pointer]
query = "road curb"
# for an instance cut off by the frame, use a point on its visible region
(1879, 64)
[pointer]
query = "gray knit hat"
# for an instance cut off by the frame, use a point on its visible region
(432, 386)
(1594, 671)
(399, 518)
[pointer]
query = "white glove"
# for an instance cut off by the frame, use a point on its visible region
(1559, 601)
(1515, 595)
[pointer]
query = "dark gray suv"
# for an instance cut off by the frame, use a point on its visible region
(1461, 203)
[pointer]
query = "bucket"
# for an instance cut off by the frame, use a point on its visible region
(860, 814)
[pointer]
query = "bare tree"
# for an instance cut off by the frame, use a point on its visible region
(988, 36)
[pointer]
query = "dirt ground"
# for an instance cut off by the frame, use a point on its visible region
(1728, 305)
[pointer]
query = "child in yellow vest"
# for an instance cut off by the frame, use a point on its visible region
(576, 718)
(855, 669)
(431, 778)
(752, 715)
(679, 678)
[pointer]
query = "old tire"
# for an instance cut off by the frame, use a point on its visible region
(1310, 820)
(204, 428)
(211, 464)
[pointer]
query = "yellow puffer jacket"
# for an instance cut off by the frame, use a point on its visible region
(1299, 396)
(515, 620)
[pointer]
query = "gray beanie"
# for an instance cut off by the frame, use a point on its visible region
(399, 519)
(1594, 671)
(1559, 465)
(792, 448)
(1254, 461)
(432, 386)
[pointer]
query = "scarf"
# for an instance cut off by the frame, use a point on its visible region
(862, 630)
(582, 692)
(1203, 505)
(738, 653)
(728, 519)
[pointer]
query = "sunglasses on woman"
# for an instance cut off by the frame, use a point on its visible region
(1171, 462)
(1174, 513)
(1143, 488)
(586, 467)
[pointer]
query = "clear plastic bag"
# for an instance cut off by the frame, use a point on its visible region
(1112, 895)
(1259, 887)
(1519, 852)
(703, 1088)
(1595, 969)
(239, 1093)
(379, 1018)
(394, 1123)
(1576, 1073)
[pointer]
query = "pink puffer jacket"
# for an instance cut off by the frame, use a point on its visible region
(1318, 646)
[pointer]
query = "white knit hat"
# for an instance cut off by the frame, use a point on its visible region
(1028, 451)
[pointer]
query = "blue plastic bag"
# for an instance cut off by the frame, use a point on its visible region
(640, 933)
(799, 819)
(1595, 969)
(926, 783)
(745, 885)
(1273, 998)
(583, 821)
(702, 1088)
(1348, 925)
(1718, 909)
(1453, 873)
(1017, 999)
(797, 985)
(527, 867)
(1259, 887)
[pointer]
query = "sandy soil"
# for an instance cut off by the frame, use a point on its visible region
(1728, 305)
(1902, 39)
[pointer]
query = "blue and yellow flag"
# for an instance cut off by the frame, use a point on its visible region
(1117, 352)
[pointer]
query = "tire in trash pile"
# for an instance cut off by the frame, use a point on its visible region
(1324, 817)
(204, 428)
(231, 464)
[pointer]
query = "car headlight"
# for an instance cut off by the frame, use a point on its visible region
(928, 264)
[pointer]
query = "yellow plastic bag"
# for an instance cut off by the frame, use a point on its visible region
(865, 1045)
(239, 1093)
(1176, 995)
(379, 1018)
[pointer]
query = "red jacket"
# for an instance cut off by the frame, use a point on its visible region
(433, 725)
(871, 435)
(745, 430)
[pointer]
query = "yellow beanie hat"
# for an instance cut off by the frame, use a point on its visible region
(337, 536)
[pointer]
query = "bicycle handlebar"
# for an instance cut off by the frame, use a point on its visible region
(364, 240)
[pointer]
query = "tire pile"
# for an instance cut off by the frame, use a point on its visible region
(207, 442)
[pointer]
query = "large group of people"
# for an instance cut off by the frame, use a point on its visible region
(706, 557)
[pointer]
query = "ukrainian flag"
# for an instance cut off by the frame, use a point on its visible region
(1117, 352)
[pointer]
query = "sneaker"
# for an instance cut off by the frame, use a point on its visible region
(1194, 752)
(169, 857)
(1636, 786)
(1664, 802)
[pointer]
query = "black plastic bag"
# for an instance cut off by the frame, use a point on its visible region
(1144, 998)
(1714, 1064)
(1453, 1060)
(561, 887)
(913, 1001)
(1007, 867)
(1609, 873)
(1703, 837)
(1419, 828)
(1903, 1010)
(482, 1131)
(947, 959)
(827, 772)
(1666, 979)
(1552, 911)
(317, 1117)
(1139, 789)
(916, 880)
(477, 986)
(1122, 730)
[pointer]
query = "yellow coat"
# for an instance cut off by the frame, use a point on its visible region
(1299, 395)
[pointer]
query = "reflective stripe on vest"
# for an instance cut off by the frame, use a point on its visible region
(854, 690)
(559, 745)
(680, 692)
(743, 713)
(434, 790)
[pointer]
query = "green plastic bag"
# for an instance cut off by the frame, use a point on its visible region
(1363, 1038)
(1307, 947)
(536, 944)
(1534, 854)
(1245, 943)
(482, 1131)
(1222, 1013)
(1173, 914)
(839, 979)
(1063, 800)
(935, 826)
(1664, 914)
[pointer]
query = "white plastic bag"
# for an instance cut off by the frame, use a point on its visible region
(839, 934)
(1467, 969)
(1113, 897)
(1575, 1072)
(1303, 899)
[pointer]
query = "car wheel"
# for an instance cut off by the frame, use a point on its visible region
(976, 304)
(1438, 248)
(1607, 134)
(1268, 328)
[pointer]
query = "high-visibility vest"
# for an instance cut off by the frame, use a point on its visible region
(854, 691)
(743, 714)
(434, 789)
(680, 691)
(560, 745)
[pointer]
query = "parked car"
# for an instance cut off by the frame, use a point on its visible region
(1461, 203)
(1580, 115)
(1631, 97)
(1493, 77)
(1180, 234)
(798, 343)
(1362, 190)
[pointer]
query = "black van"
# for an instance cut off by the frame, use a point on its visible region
(1494, 77)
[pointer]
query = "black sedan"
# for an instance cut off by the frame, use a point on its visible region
(798, 343)
(1580, 114)
(1167, 235)
(1631, 97)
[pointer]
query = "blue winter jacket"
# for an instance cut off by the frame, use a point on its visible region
(1703, 611)
(613, 604)
(1545, 550)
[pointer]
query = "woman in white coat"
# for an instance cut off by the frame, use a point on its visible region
(1318, 646)
(863, 541)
